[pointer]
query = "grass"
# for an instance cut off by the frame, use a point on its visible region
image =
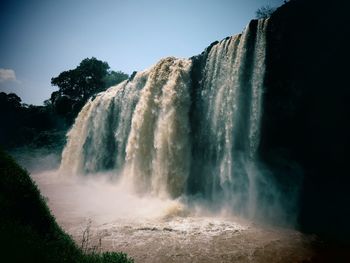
(28, 231)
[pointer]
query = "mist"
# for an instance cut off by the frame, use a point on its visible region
(102, 198)
(36, 160)
(109, 197)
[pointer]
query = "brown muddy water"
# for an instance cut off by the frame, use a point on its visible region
(150, 230)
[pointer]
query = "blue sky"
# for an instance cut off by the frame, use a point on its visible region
(40, 39)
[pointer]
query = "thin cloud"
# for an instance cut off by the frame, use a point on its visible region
(7, 75)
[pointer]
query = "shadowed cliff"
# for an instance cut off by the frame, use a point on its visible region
(306, 116)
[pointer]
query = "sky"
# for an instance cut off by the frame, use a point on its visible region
(40, 39)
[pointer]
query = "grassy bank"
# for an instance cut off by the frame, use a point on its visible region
(28, 231)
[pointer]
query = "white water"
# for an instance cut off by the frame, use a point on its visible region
(178, 165)
(164, 137)
(141, 128)
(229, 106)
(158, 149)
(99, 135)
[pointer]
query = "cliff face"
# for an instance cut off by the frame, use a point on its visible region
(256, 123)
(305, 124)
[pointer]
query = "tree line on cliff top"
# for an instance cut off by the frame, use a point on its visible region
(46, 125)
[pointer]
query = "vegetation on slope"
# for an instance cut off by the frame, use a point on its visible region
(28, 231)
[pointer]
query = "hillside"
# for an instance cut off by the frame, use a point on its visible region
(28, 231)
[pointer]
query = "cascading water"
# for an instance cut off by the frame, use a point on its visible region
(98, 138)
(158, 150)
(169, 137)
(140, 126)
(229, 104)
(181, 143)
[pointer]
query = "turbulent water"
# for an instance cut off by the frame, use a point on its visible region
(140, 127)
(111, 218)
(166, 164)
(229, 108)
(167, 137)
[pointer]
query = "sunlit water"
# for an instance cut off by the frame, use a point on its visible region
(154, 230)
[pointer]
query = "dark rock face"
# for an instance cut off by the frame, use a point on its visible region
(198, 64)
(307, 110)
(305, 133)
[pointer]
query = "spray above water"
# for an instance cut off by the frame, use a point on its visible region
(163, 136)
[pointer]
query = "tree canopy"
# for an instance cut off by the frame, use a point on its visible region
(46, 125)
(77, 85)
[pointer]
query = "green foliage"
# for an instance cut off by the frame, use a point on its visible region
(114, 77)
(28, 231)
(77, 85)
(46, 126)
(83, 81)
(29, 125)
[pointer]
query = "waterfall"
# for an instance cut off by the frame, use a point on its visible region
(98, 138)
(229, 103)
(170, 137)
(158, 150)
(139, 126)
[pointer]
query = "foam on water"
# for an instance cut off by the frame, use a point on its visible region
(152, 229)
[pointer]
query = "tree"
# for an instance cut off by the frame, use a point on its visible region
(83, 81)
(77, 85)
(9, 101)
(264, 12)
(23, 124)
(114, 77)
